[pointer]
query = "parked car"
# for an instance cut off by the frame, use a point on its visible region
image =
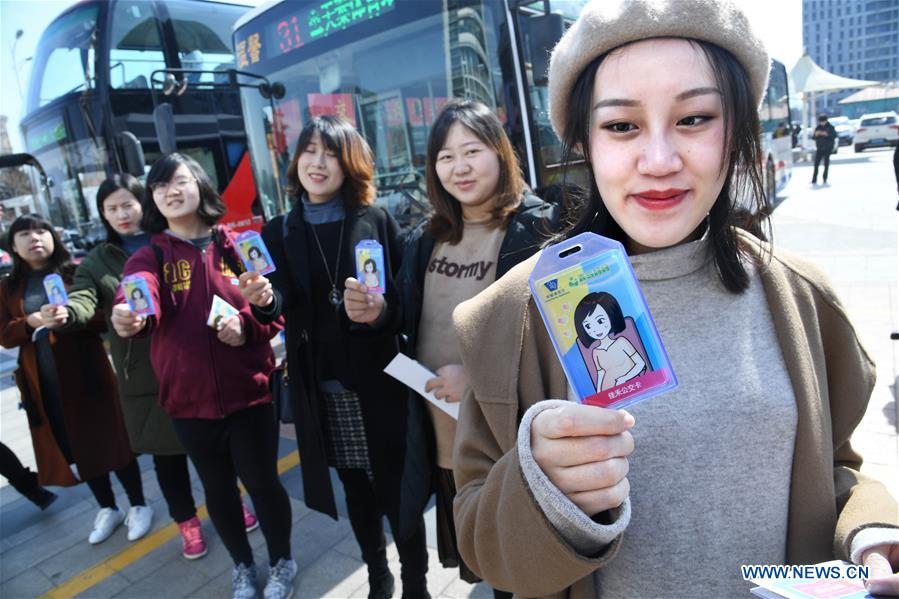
(5, 263)
(878, 129)
(845, 130)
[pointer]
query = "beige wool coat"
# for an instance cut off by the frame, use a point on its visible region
(504, 536)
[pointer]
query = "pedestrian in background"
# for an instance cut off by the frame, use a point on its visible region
(485, 221)
(96, 283)
(213, 383)
(66, 384)
(825, 137)
(350, 414)
(748, 461)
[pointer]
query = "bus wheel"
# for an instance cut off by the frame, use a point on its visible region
(859, 148)
(770, 184)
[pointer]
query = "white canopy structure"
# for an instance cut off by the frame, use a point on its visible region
(811, 80)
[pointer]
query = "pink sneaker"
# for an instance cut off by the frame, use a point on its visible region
(194, 547)
(249, 520)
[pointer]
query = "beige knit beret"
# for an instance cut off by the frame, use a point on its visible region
(604, 25)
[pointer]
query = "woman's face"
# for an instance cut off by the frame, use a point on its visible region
(369, 267)
(597, 323)
(178, 198)
(34, 246)
(656, 139)
(468, 169)
(137, 294)
(123, 211)
(254, 253)
(319, 170)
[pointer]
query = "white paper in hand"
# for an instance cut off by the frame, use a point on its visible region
(415, 376)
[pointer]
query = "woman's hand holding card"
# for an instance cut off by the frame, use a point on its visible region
(361, 306)
(126, 322)
(256, 289)
(449, 384)
(230, 331)
(583, 450)
(54, 316)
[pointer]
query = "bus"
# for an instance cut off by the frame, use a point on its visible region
(112, 80)
(777, 146)
(388, 66)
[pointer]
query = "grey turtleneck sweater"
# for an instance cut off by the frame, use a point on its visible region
(710, 472)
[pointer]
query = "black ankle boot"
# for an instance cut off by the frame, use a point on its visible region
(28, 486)
(41, 497)
(380, 583)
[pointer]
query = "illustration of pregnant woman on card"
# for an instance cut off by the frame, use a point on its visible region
(603, 331)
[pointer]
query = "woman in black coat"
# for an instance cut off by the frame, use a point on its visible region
(349, 414)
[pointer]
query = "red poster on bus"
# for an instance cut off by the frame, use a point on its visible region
(336, 104)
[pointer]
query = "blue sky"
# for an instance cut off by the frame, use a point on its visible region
(778, 21)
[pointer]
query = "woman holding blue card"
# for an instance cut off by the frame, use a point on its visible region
(65, 381)
(748, 460)
(485, 221)
(350, 415)
(213, 383)
(96, 283)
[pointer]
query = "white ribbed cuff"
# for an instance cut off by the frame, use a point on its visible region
(585, 536)
(872, 537)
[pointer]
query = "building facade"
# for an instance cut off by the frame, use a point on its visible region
(852, 38)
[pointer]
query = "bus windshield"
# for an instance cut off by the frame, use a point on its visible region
(64, 61)
(387, 67)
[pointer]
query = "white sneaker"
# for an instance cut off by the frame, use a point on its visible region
(138, 521)
(105, 523)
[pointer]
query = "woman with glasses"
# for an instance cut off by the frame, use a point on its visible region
(150, 430)
(213, 383)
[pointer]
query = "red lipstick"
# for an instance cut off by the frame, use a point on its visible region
(660, 199)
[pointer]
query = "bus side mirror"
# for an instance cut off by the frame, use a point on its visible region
(164, 119)
(133, 153)
(545, 31)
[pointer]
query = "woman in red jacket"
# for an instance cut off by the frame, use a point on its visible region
(213, 382)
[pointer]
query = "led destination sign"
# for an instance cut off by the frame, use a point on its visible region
(302, 27)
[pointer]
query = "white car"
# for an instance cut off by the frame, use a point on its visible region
(877, 129)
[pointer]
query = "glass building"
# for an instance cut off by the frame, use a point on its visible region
(852, 38)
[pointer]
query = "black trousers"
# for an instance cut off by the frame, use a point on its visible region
(243, 444)
(174, 482)
(819, 156)
(129, 476)
(366, 519)
(21, 478)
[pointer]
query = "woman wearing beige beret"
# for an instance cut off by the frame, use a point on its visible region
(748, 461)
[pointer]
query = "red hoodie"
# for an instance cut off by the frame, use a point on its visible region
(199, 376)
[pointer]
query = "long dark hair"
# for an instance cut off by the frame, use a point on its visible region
(445, 223)
(211, 207)
(353, 153)
(109, 187)
(741, 153)
(20, 269)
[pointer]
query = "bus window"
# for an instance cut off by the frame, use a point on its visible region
(64, 62)
(135, 48)
(202, 40)
(387, 68)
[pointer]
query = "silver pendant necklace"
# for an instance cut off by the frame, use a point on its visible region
(334, 296)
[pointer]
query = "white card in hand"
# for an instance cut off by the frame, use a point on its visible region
(415, 376)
